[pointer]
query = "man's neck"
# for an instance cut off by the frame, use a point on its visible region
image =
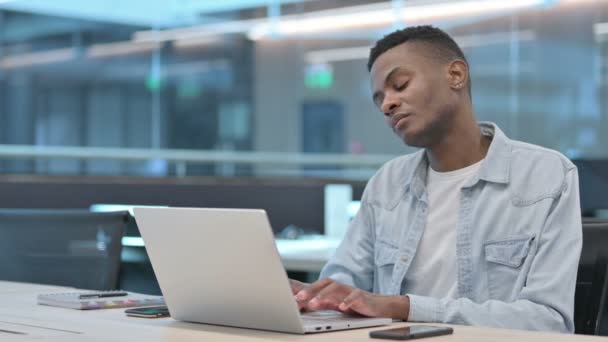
(464, 145)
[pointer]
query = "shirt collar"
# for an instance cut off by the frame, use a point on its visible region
(495, 168)
(497, 165)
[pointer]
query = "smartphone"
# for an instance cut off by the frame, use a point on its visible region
(411, 332)
(149, 312)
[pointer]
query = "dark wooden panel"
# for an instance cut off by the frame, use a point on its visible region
(287, 201)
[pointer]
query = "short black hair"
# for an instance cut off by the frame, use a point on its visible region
(443, 46)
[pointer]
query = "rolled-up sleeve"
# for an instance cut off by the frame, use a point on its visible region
(353, 262)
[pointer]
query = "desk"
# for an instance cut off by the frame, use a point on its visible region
(19, 312)
(309, 254)
(306, 255)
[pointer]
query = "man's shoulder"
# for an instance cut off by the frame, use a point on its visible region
(384, 187)
(398, 164)
(525, 154)
(398, 169)
(537, 172)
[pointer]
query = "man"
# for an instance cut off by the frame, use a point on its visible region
(474, 228)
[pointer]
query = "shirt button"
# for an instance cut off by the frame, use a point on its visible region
(404, 258)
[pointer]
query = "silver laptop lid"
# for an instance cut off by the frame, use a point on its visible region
(219, 266)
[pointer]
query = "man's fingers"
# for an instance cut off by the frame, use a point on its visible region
(329, 297)
(360, 302)
(335, 291)
(319, 285)
(326, 297)
(352, 301)
(296, 286)
(322, 305)
(308, 292)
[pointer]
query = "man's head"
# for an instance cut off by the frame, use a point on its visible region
(420, 81)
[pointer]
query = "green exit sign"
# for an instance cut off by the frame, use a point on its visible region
(319, 76)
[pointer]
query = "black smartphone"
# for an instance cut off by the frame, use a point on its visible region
(149, 312)
(411, 332)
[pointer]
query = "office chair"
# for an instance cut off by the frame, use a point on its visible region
(74, 248)
(590, 309)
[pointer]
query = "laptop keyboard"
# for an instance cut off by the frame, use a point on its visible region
(323, 317)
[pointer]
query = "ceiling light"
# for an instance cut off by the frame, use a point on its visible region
(358, 17)
(37, 58)
(468, 41)
(382, 14)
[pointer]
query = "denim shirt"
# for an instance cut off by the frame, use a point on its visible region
(518, 238)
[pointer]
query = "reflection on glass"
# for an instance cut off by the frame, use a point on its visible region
(248, 88)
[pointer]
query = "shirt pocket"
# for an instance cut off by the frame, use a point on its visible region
(504, 260)
(384, 259)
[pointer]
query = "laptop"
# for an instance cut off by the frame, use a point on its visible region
(221, 266)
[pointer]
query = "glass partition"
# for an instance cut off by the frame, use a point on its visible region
(275, 88)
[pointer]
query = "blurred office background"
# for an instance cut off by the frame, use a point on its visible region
(217, 88)
(269, 89)
(169, 102)
(262, 104)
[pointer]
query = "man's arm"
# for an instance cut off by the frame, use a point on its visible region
(547, 300)
(350, 267)
(353, 262)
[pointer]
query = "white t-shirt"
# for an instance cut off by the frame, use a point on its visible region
(433, 271)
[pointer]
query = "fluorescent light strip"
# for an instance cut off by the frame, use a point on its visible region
(575, 2)
(454, 9)
(245, 26)
(344, 18)
(200, 31)
(337, 55)
(362, 52)
(494, 38)
(313, 24)
(120, 49)
(37, 58)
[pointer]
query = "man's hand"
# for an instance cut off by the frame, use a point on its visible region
(328, 294)
(375, 305)
(324, 294)
(297, 286)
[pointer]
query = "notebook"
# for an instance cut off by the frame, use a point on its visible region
(91, 300)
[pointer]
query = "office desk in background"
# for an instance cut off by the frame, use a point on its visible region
(19, 312)
(302, 255)
(304, 258)
(306, 255)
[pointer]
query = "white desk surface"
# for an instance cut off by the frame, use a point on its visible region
(19, 312)
(309, 255)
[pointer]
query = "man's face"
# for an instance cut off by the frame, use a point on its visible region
(413, 92)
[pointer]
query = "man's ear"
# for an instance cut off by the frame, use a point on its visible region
(458, 74)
